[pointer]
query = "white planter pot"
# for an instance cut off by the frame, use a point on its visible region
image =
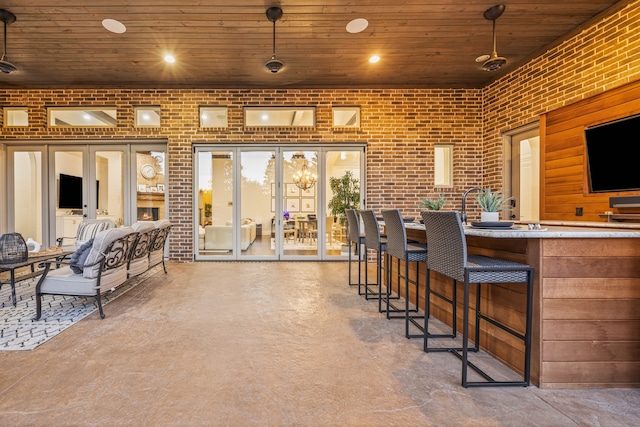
(490, 216)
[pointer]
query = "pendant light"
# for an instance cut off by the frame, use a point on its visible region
(5, 66)
(274, 65)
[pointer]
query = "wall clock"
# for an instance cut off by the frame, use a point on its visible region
(148, 171)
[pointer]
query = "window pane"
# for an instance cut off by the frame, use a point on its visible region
(147, 117)
(279, 116)
(443, 166)
(213, 117)
(348, 117)
(150, 183)
(28, 194)
(16, 117)
(82, 117)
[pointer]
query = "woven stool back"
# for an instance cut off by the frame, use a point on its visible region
(447, 245)
(396, 234)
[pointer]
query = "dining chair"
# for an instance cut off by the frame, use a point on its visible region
(448, 256)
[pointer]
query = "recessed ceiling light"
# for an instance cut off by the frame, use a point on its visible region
(357, 25)
(114, 26)
(169, 58)
(374, 59)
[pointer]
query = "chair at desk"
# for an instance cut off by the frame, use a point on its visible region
(289, 230)
(310, 229)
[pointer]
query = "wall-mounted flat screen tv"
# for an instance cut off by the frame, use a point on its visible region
(70, 192)
(611, 155)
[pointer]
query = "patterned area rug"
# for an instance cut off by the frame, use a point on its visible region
(21, 332)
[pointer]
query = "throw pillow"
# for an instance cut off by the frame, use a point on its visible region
(88, 230)
(80, 256)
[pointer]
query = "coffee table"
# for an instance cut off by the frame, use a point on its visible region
(32, 261)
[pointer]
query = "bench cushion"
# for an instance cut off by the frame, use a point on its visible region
(100, 243)
(64, 281)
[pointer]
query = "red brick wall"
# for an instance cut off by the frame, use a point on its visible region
(399, 127)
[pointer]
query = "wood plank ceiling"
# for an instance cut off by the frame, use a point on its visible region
(225, 44)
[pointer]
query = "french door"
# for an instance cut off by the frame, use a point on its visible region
(269, 202)
(52, 188)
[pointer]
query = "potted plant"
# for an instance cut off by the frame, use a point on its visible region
(434, 204)
(346, 195)
(491, 203)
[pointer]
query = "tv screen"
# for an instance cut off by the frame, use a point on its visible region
(70, 192)
(611, 155)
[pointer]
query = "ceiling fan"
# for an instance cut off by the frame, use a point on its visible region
(493, 62)
(274, 65)
(5, 66)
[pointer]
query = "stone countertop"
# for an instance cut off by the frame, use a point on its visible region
(547, 231)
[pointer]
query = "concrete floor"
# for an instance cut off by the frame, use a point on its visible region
(268, 344)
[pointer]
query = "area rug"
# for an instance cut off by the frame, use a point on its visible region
(21, 332)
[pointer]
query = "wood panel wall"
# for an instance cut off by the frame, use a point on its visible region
(564, 177)
(590, 313)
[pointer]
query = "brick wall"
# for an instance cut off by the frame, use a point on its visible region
(400, 127)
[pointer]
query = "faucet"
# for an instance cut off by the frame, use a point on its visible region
(463, 215)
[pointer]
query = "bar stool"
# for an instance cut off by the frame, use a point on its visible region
(448, 256)
(354, 236)
(399, 248)
(374, 241)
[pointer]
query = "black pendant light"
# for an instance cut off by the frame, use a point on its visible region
(5, 66)
(274, 65)
(495, 62)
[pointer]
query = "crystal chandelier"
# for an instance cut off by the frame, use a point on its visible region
(304, 179)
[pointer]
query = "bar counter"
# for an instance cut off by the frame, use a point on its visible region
(586, 316)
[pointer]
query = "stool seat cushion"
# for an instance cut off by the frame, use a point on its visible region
(482, 269)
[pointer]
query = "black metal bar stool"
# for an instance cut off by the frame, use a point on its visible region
(375, 241)
(399, 248)
(448, 256)
(355, 236)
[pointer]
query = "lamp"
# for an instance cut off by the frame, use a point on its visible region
(304, 179)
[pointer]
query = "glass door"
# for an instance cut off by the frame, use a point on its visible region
(343, 186)
(272, 202)
(85, 182)
(214, 184)
(300, 201)
(52, 188)
(523, 166)
(258, 195)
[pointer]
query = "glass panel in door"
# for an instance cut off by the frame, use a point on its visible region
(215, 203)
(343, 175)
(300, 197)
(525, 173)
(150, 186)
(108, 186)
(70, 193)
(257, 204)
(27, 195)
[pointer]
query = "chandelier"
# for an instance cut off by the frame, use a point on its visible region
(304, 179)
